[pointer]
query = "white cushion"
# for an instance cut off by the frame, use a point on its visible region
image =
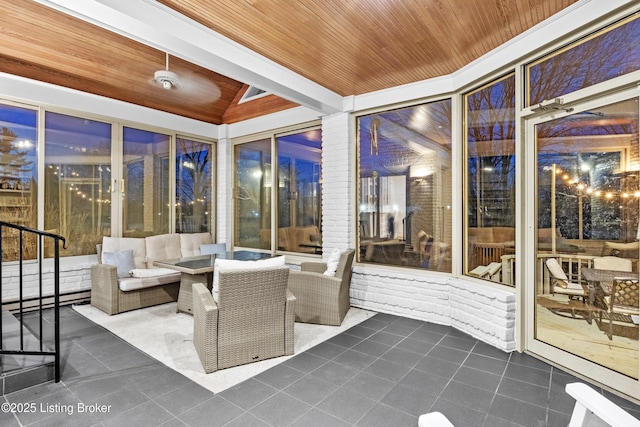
(556, 270)
(233, 264)
(150, 272)
(123, 261)
(135, 283)
(162, 247)
(613, 263)
(190, 243)
(332, 262)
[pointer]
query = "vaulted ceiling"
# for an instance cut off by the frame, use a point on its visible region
(342, 47)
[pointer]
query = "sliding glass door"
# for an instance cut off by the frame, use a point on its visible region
(583, 235)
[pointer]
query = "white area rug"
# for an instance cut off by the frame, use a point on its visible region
(168, 337)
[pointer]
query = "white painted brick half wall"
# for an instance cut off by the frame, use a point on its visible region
(74, 277)
(485, 313)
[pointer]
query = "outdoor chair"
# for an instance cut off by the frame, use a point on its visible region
(561, 283)
(251, 320)
(321, 298)
(612, 263)
(489, 272)
(591, 409)
(622, 303)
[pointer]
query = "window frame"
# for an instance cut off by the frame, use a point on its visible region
(273, 136)
(453, 99)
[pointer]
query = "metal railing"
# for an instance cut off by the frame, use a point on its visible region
(14, 240)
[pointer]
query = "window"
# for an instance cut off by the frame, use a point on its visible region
(295, 185)
(77, 181)
(490, 177)
(253, 194)
(83, 190)
(84, 197)
(405, 186)
(194, 165)
(18, 177)
(299, 195)
(146, 202)
(602, 56)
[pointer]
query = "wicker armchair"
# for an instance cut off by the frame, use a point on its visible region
(251, 321)
(322, 299)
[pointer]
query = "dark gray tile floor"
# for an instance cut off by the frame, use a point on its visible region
(384, 372)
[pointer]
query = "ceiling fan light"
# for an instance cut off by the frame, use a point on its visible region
(168, 79)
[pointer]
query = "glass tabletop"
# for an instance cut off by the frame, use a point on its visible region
(203, 263)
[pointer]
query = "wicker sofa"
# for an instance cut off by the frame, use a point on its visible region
(321, 298)
(251, 320)
(113, 294)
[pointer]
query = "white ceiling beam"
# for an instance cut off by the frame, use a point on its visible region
(158, 26)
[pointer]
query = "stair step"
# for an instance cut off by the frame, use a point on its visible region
(22, 371)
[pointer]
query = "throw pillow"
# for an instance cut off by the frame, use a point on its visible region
(332, 262)
(213, 248)
(233, 264)
(123, 260)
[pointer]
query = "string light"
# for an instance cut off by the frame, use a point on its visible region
(589, 191)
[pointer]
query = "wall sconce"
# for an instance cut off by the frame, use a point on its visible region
(419, 180)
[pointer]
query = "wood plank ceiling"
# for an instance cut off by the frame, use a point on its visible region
(348, 46)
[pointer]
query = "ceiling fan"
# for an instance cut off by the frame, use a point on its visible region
(167, 79)
(191, 84)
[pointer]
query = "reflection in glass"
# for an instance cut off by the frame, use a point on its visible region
(253, 194)
(588, 198)
(490, 180)
(18, 177)
(77, 181)
(146, 208)
(609, 53)
(405, 187)
(193, 186)
(299, 191)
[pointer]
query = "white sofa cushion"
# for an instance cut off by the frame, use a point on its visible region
(161, 247)
(116, 244)
(141, 273)
(134, 283)
(190, 243)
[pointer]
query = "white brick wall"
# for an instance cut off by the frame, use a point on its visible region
(224, 185)
(338, 159)
(485, 313)
(74, 276)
